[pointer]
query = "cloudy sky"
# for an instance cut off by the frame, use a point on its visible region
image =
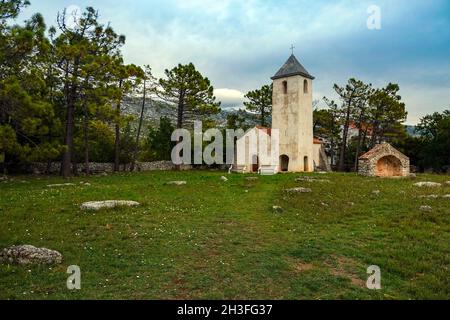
(240, 44)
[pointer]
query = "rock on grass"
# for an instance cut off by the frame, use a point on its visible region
(430, 196)
(277, 209)
(27, 254)
(427, 184)
(108, 204)
(426, 208)
(60, 185)
(176, 183)
(298, 190)
(310, 179)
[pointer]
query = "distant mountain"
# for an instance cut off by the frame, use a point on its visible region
(154, 110)
(411, 130)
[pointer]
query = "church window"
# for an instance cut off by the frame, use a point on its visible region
(305, 86)
(285, 87)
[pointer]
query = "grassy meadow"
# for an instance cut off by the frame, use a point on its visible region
(212, 239)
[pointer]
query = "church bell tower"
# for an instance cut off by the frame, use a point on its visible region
(292, 115)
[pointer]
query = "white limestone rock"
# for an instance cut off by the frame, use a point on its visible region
(427, 184)
(430, 196)
(28, 254)
(177, 183)
(58, 185)
(223, 178)
(277, 209)
(426, 208)
(108, 204)
(310, 179)
(298, 190)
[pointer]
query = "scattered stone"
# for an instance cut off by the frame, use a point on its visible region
(430, 196)
(412, 175)
(177, 183)
(376, 192)
(426, 208)
(447, 183)
(298, 190)
(87, 184)
(427, 184)
(60, 185)
(3, 178)
(108, 204)
(277, 209)
(324, 204)
(311, 179)
(351, 204)
(223, 178)
(27, 254)
(446, 196)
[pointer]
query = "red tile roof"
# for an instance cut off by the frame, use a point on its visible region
(267, 130)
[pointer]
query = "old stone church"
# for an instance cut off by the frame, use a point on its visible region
(292, 115)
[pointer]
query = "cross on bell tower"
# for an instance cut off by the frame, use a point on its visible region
(292, 48)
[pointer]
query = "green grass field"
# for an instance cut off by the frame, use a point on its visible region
(212, 239)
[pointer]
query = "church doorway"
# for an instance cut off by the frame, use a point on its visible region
(255, 163)
(284, 163)
(305, 164)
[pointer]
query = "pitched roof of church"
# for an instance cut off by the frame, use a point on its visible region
(292, 68)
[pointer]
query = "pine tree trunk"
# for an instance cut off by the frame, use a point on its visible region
(180, 120)
(344, 141)
(141, 119)
(358, 145)
(71, 91)
(86, 140)
(68, 141)
(117, 136)
(358, 149)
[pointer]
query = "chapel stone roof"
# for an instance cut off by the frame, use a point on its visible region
(382, 149)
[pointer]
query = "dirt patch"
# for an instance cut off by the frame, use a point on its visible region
(177, 288)
(300, 266)
(341, 269)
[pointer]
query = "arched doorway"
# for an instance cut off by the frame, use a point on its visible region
(305, 164)
(284, 163)
(388, 166)
(255, 163)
